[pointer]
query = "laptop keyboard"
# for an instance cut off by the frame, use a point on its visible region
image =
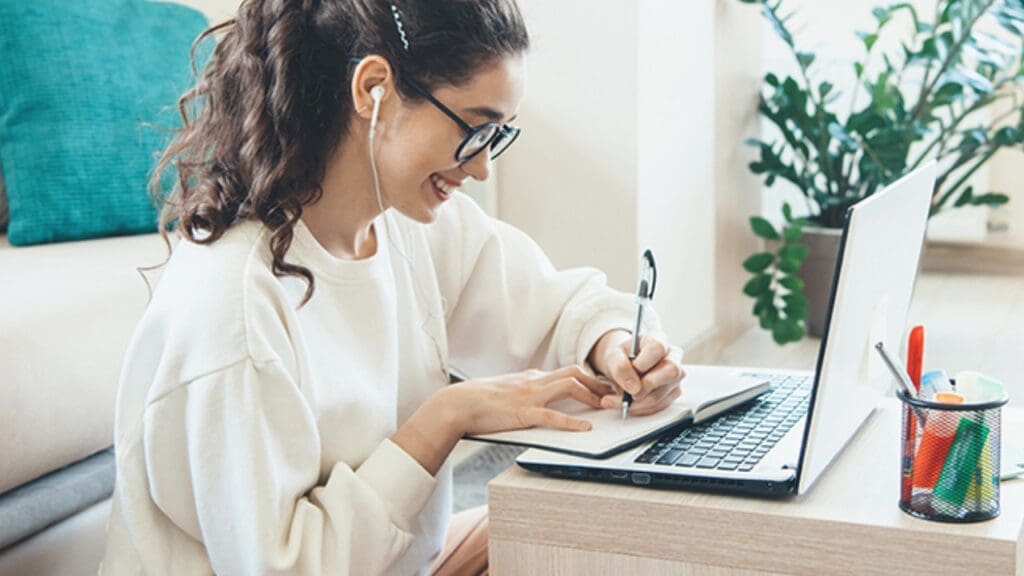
(737, 440)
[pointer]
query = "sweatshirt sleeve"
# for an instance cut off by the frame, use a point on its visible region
(510, 309)
(245, 478)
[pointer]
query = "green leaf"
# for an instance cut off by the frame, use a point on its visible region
(965, 197)
(796, 305)
(786, 331)
(1008, 136)
(763, 301)
(805, 59)
(991, 199)
(790, 265)
(787, 212)
(768, 316)
(796, 252)
(792, 283)
(858, 68)
(763, 228)
(793, 232)
(758, 262)
(976, 82)
(757, 285)
(824, 89)
(868, 39)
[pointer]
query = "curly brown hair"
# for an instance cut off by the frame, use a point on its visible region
(273, 102)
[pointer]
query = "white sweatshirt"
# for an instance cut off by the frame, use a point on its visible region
(252, 437)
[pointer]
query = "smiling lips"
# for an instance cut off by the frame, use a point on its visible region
(443, 187)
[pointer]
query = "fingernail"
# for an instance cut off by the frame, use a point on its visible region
(633, 386)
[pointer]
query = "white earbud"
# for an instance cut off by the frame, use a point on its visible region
(377, 93)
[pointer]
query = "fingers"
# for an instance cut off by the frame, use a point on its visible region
(668, 371)
(559, 389)
(652, 350)
(622, 371)
(645, 408)
(653, 403)
(539, 416)
(595, 385)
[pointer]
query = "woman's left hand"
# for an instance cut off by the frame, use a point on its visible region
(652, 378)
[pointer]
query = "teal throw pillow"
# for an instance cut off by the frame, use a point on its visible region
(82, 85)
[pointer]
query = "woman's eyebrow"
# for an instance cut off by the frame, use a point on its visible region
(489, 113)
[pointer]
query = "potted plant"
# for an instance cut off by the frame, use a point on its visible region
(921, 102)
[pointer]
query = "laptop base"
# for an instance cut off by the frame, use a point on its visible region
(758, 487)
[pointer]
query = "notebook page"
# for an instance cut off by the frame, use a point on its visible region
(608, 429)
(710, 392)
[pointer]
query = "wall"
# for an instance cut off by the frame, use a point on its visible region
(634, 120)
(215, 10)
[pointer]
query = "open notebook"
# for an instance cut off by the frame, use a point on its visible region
(704, 395)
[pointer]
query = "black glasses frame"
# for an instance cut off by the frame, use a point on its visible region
(501, 133)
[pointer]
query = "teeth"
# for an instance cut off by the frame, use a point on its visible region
(444, 186)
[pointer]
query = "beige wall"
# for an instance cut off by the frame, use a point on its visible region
(215, 10)
(633, 121)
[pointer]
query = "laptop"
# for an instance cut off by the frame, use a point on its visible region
(780, 443)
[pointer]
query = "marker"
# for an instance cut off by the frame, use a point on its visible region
(915, 356)
(933, 382)
(935, 443)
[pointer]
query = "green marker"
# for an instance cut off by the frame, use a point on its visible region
(960, 468)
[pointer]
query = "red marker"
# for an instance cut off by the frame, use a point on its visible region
(915, 361)
(915, 356)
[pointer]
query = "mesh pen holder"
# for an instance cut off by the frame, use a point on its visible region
(950, 461)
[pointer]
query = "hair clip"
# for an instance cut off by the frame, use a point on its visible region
(401, 29)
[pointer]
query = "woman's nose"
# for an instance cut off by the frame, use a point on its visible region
(479, 166)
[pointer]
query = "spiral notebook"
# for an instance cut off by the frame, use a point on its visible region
(704, 396)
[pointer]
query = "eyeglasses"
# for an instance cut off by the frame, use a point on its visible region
(490, 136)
(497, 137)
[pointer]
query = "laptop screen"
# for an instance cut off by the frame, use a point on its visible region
(872, 287)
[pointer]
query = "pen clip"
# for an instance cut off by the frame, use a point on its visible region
(648, 275)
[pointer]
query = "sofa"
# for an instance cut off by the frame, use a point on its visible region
(85, 90)
(69, 311)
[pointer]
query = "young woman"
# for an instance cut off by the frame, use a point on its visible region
(285, 404)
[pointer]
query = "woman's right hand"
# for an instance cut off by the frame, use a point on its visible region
(520, 400)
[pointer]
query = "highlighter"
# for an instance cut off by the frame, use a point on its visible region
(933, 382)
(960, 469)
(935, 443)
(978, 388)
(983, 489)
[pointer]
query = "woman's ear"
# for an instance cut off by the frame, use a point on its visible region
(373, 75)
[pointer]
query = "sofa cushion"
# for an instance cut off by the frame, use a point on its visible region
(44, 502)
(69, 311)
(3, 205)
(84, 90)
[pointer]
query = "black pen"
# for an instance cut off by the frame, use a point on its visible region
(627, 398)
(643, 295)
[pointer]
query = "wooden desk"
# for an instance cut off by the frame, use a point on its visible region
(849, 523)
